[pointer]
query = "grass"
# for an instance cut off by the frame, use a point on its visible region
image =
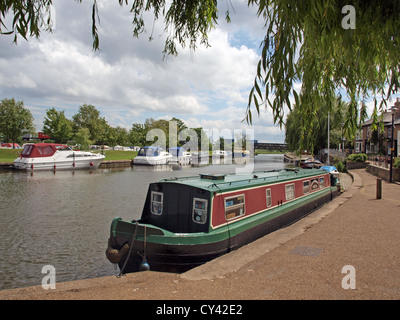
(9, 155)
(120, 155)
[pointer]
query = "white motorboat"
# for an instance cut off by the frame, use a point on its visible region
(220, 153)
(180, 156)
(55, 156)
(152, 156)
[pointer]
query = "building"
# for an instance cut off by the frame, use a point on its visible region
(369, 141)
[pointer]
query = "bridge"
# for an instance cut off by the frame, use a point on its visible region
(271, 146)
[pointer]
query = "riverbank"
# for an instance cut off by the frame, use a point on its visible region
(306, 260)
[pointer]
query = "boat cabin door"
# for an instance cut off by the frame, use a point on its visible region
(187, 209)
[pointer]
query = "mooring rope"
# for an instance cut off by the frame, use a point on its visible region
(132, 241)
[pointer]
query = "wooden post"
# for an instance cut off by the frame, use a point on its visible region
(379, 188)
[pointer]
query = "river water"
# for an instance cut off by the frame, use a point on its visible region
(62, 219)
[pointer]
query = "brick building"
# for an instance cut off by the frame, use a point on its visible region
(367, 141)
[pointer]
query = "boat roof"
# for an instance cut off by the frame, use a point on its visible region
(225, 182)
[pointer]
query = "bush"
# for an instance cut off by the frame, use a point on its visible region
(358, 157)
(396, 163)
(341, 166)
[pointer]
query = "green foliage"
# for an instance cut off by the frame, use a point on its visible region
(57, 126)
(15, 120)
(312, 135)
(357, 157)
(364, 62)
(396, 163)
(29, 17)
(341, 166)
(82, 137)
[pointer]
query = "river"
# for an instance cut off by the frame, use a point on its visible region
(62, 219)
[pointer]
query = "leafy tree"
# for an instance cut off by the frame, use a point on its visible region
(363, 62)
(15, 120)
(137, 134)
(121, 136)
(89, 117)
(315, 136)
(82, 137)
(57, 125)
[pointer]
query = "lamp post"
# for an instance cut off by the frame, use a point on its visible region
(329, 115)
(393, 110)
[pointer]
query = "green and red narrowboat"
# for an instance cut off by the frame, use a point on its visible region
(188, 221)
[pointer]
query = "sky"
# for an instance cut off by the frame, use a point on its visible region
(128, 81)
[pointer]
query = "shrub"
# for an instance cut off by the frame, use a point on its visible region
(358, 157)
(341, 166)
(396, 163)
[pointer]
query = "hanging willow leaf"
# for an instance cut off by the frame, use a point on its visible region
(305, 41)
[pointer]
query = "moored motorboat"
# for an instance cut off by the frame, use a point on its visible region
(55, 156)
(294, 158)
(180, 156)
(311, 162)
(152, 156)
(188, 221)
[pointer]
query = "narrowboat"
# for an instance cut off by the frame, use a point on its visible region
(188, 221)
(55, 156)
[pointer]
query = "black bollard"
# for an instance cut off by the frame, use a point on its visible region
(379, 188)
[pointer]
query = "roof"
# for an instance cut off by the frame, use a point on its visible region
(234, 181)
(386, 118)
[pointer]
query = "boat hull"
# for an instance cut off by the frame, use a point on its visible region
(52, 164)
(151, 161)
(170, 252)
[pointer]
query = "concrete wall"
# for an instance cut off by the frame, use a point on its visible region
(383, 172)
(356, 165)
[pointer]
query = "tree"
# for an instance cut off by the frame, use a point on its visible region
(82, 137)
(315, 135)
(327, 46)
(332, 56)
(89, 117)
(57, 125)
(137, 134)
(15, 120)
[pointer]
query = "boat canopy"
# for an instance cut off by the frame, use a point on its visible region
(176, 151)
(40, 150)
(150, 151)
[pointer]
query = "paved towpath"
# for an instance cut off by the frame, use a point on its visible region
(349, 249)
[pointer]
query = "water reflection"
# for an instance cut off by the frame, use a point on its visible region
(63, 218)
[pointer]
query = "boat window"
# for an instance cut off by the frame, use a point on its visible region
(306, 186)
(142, 152)
(289, 190)
(48, 151)
(199, 213)
(234, 207)
(269, 198)
(63, 148)
(156, 202)
(322, 182)
(27, 150)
